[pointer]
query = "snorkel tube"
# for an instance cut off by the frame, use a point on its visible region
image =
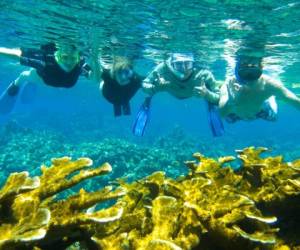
(236, 73)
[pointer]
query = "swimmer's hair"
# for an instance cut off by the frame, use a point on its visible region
(49, 47)
(71, 48)
(121, 63)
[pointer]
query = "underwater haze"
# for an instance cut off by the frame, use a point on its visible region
(118, 190)
(79, 122)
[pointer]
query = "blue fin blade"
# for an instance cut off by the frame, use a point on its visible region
(215, 121)
(142, 119)
(8, 99)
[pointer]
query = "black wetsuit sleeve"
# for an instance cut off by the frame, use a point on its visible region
(33, 58)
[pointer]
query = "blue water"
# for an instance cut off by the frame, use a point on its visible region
(74, 121)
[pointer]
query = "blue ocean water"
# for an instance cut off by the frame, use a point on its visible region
(79, 121)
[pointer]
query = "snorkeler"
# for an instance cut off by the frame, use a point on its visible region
(119, 84)
(179, 77)
(251, 95)
(56, 66)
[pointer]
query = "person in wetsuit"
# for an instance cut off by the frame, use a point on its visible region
(56, 66)
(180, 77)
(119, 84)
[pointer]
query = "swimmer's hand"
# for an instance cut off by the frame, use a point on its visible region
(200, 91)
(160, 80)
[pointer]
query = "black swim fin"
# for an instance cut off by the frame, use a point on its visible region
(142, 118)
(8, 98)
(215, 121)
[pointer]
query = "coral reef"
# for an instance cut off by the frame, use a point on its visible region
(211, 207)
(26, 149)
(31, 216)
(22, 149)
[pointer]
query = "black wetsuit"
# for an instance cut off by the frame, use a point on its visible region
(120, 95)
(48, 69)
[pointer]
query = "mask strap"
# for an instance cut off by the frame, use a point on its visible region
(236, 73)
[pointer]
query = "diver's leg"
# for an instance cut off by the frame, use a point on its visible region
(126, 109)
(9, 96)
(232, 118)
(14, 86)
(28, 76)
(25, 77)
(269, 110)
(29, 90)
(117, 110)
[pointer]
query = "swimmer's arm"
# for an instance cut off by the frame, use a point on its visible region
(209, 87)
(101, 86)
(151, 84)
(280, 91)
(10, 53)
(93, 69)
(28, 57)
(91, 72)
(148, 86)
(211, 97)
(213, 93)
(223, 95)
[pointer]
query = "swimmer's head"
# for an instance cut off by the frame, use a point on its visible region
(67, 56)
(122, 70)
(181, 65)
(248, 68)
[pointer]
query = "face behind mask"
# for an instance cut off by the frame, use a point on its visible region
(249, 73)
(124, 76)
(67, 61)
(248, 69)
(181, 65)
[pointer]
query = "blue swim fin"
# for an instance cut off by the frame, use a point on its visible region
(215, 121)
(142, 118)
(8, 98)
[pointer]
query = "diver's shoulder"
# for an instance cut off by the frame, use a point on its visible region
(268, 80)
(160, 66)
